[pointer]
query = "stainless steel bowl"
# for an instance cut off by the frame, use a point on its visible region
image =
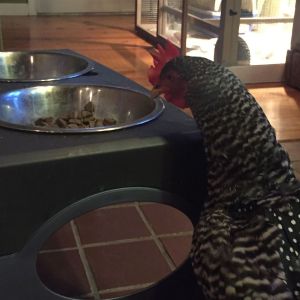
(19, 109)
(40, 66)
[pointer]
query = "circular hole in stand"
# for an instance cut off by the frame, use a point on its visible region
(115, 250)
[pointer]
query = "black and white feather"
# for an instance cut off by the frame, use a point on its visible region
(247, 242)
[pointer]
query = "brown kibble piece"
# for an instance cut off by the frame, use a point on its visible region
(74, 115)
(61, 123)
(109, 121)
(44, 121)
(40, 122)
(82, 119)
(98, 122)
(72, 125)
(86, 121)
(64, 117)
(89, 107)
(86, 114)
(49, 120)
(74, 121)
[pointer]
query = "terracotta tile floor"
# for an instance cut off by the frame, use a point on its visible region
(114, 251)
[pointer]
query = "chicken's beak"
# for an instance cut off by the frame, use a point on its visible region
(156, 91)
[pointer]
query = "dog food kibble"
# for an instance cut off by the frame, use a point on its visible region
(82, 119)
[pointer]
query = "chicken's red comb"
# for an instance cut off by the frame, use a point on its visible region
(161, 55)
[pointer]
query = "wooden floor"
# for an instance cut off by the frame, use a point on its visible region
(111, 40)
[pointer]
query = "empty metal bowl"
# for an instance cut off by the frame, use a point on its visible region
(20, 109)
(40, 66)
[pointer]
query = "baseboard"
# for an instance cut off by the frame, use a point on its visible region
(14, 9)
(260, 73)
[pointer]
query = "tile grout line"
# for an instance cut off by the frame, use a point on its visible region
(137, 239)
(175, 234)
(57, 250)
(86, 266)
(117, 206)
(158, 243)
(128, 204)
(118, 242)
(126, 288)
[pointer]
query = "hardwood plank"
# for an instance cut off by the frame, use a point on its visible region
(282, 106)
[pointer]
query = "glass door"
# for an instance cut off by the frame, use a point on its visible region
(251, 37)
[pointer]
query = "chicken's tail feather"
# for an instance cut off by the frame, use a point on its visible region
(238, 258)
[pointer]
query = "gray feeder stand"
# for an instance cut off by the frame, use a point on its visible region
(43, 186)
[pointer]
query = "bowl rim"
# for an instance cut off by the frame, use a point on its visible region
(159, 107)
(89, 65)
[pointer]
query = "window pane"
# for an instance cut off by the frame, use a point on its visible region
(170, 20)
(203, 27)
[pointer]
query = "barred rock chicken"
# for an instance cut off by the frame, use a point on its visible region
(246, 244)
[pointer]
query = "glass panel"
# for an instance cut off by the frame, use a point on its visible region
(170, 20)
(147, 16)
(203, 27)
(265, 31)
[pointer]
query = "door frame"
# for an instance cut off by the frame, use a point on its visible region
(295, 43)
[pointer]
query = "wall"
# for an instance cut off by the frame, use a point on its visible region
(85, 6)
(32, 7)
(13, 1)
(15, 7)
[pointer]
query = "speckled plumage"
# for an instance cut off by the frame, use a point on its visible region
(247, 242)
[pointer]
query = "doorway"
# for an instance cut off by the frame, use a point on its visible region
(251, 37)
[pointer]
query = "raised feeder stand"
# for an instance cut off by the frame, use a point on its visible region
(48, 179)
